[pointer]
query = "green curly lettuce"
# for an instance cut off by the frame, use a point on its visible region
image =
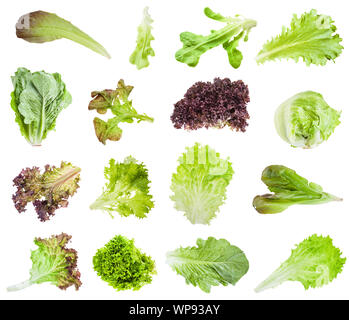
(200, 183)
(126, 190)
(53, 262)
(311, 37)
(195, 45)
(37, 100)
(143, 49)
(315, 262)
(211, 263)
(288, 189)
(306, 120)
(123, 266)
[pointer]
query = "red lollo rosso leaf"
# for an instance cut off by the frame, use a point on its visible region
(48, 191)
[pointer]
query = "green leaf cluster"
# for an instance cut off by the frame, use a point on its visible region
(122, 265)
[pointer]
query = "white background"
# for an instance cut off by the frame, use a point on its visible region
(266, 240)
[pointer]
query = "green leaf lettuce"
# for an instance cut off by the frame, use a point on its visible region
(200, 183)
(143, 49)
(315, 262)
(311, 37)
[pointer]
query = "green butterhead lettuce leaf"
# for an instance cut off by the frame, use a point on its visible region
(200, 183)
(40, 27)
(315, 262)
(53, 262)
(288, 189)
(306, 120)
(37, 100)
(143, 49)
(126, 190)
(311, 37)
(195, 45)
(211, 263)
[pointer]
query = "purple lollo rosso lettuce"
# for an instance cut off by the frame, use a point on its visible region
(213, 104)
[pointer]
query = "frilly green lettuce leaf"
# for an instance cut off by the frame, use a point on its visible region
(311, 37)
(200, 183)
(315, 262)
(211, 263)
(126, 190)
(143, 49)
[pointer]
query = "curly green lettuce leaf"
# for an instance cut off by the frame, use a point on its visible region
(40, 27)
(126, 190)
(200, 183)
(315, 262)
(306, 120)
(37, 100)
(122, 265)
(118, 102)
(48, 191)
(211, 263)
(53, 262)
(288, 189)
(311, 37)
(194, 46)
(143, 49)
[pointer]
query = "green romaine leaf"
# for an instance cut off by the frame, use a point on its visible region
(143, 49)
(40, 27)
(288, 189)
(195, 45)
(306, 120)
(53, 262)
(311, 37)
(117, 101)
(315, 262)
(211, 263)
(200, 183)
(126, 190)
(37, 100)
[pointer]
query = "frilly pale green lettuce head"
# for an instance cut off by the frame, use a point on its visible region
(306, 120)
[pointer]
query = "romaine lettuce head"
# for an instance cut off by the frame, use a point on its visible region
(306, 120)
(37, 100)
